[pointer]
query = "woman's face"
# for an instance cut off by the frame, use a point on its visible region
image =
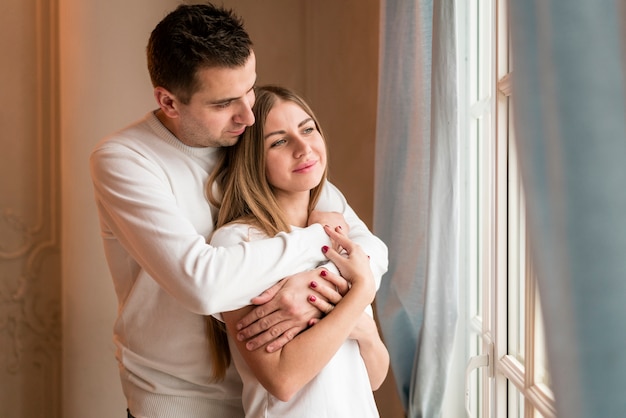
(294, 148)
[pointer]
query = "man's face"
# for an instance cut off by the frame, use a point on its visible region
(220, 110)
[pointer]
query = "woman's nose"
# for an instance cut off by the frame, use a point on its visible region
(302, 147)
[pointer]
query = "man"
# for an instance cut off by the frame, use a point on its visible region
(149, 182)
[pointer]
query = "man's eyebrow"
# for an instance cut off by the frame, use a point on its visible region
(230, 99)
(281, 132)
(221, 101)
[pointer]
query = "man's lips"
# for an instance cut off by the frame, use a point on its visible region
(238, 131)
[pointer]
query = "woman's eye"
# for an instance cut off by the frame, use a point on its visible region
(308, 130)
(279, 142)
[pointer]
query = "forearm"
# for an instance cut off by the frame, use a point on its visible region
(208, 279)
(375, 356)
(146, 231)
(264, 263)
(286, 371)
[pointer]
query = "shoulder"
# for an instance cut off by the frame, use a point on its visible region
(128, 141)
(129, 136)
(139, 147)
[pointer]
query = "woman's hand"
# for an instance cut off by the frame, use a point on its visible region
(352, 262)
(333, 219)
(332, 288)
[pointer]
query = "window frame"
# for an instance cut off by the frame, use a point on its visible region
(503, 329)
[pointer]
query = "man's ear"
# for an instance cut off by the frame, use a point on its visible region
(167, 102)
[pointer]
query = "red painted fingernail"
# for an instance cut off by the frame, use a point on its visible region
(312, 298)
(327, 226)
(312, 322)
(324, 249)
(339, 227)
(313, 285)
(323, 273)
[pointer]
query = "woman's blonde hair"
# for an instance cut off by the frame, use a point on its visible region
(238, 187)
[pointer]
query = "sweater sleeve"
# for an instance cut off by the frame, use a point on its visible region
(332, 200)
(145, 231)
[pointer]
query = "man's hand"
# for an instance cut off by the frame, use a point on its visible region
(284, 311)
(332, 219)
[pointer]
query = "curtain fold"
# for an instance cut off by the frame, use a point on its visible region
(570, 115)
(416, 197)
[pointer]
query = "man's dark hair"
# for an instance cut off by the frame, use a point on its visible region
(193, 37)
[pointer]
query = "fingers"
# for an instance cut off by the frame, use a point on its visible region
(355, 265)
(268, 294)
(287, 336)
(258, 320)
(337, 236)
(274, 335)
(266, 307)
(324, 306)
(287, 312)
(331, 286)
(340, 284)
(351, 248)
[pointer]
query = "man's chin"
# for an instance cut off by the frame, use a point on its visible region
(229, 142)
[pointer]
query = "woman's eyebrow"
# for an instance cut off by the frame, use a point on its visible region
(282, 132)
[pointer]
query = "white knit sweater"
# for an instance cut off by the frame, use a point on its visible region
(154, 222)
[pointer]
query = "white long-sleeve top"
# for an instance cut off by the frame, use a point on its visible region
(155, 220)
(341, 389)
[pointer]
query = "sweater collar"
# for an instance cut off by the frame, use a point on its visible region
(168, 137)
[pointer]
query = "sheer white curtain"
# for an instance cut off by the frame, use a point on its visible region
(417, 196)
(570, 111)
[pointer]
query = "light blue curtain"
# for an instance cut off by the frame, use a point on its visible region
(570, 115)
(416, 195)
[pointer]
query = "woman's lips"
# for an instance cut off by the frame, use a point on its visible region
(304, 166)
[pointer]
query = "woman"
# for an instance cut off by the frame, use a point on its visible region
(270, 182)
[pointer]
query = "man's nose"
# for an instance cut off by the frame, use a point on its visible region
(244, 113)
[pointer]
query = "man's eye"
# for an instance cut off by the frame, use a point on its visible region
(223, 105)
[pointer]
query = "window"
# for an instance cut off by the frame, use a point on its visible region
(507, 369)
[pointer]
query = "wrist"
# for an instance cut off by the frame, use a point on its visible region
(366, 283)
(362, 289)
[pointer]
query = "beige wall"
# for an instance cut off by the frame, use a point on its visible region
(104, 86)
(328, 51)
(30, 271)
(57, 303)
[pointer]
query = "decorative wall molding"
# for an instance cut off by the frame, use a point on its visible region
(30, 264)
